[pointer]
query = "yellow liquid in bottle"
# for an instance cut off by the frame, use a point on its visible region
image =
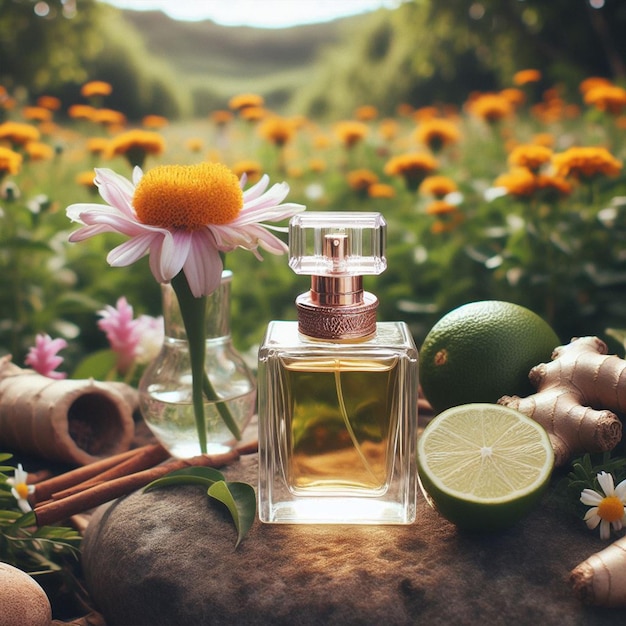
(341, 424)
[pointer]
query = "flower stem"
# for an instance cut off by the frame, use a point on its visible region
(193, 311)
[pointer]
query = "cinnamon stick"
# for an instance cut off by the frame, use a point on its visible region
(149, 457)
(45, 488)
(58, 510)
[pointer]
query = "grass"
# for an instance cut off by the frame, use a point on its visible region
(559, 255)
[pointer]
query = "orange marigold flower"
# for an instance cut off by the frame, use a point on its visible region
(412, 167)
(37, 151)
(96, 88)
(515, 96)
(544, 139)
(592, 82)
(441, 207)
(317, 165)
(425, 113)
(608, 98)
(526, 76)
(277, 130)
(321, 141)
(135, 145)
(49, 102)
(86, 179)
(553, 187)
(586, 163)
(361, 180)
(109, 117)
(438, 186)
(252, 114)
(194, 144)
(366, 113)
(82, 112)
(221, 117)
(490, 107)
(405, 110)
(449, 222)
(154, 121)
(36, 114)
(252, 169)
(530, 156)
(245, 101)
(437, 133)
(388, 129)
(10, 161)
(381, 190)
(97, 145)
(18, 133)
(350, 132)
(519, 181)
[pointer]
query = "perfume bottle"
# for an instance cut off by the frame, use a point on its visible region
(337, 389)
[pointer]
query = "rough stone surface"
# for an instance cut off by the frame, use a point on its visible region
(167, 557)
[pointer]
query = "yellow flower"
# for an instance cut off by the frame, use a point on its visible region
(10, 161)
(438, 186)
(252, 169)
(18, 133)
(245, 101)
(412, 167)
(490, 107)
(526, 76)
(49, 102)
(154, 121)
(437, 133)
(38, 151)
(108, 117)
(252, 114)
(82, 112)
(519, 181)
(194, 144)
(362, 179)
(221, 117)
(586, 163)
(87, 179)
(381, 190)
(441, 207)
(36, 114)
(608, 98)
(96, 88)
(530, 156)
(350, 132)
(277, 130)
(135, 145)
(97, 145)
(366, 113)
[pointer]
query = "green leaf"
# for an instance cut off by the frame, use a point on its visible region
(204, 476)
(97, 365)
(5, 456)
(240, 500)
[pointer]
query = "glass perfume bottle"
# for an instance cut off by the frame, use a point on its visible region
(337, 389)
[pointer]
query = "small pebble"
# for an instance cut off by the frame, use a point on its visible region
(22, 601)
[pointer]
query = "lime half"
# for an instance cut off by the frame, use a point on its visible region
(484, 466)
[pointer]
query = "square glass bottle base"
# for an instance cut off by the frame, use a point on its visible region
(337, 428)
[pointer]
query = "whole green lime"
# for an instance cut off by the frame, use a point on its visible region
(482, 351)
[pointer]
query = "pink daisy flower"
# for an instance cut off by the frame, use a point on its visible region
(183, 217)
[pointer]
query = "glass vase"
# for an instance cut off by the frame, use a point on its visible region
(165, 388)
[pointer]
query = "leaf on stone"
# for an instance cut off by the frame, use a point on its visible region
(240, 500)
(204, 476)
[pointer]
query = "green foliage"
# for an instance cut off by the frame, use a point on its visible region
(238, 498)
(37, 551)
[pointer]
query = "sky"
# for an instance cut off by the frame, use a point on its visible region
(257, 13)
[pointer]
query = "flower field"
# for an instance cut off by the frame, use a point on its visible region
(515, 195)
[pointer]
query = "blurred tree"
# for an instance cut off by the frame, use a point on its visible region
(429, 50)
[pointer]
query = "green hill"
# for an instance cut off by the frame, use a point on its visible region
(216, 62)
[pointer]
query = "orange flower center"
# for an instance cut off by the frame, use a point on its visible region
(611, 509)
(188, 197)
(22, 490)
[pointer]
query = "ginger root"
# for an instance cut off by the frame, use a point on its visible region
(601, 579)
(577, 393)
